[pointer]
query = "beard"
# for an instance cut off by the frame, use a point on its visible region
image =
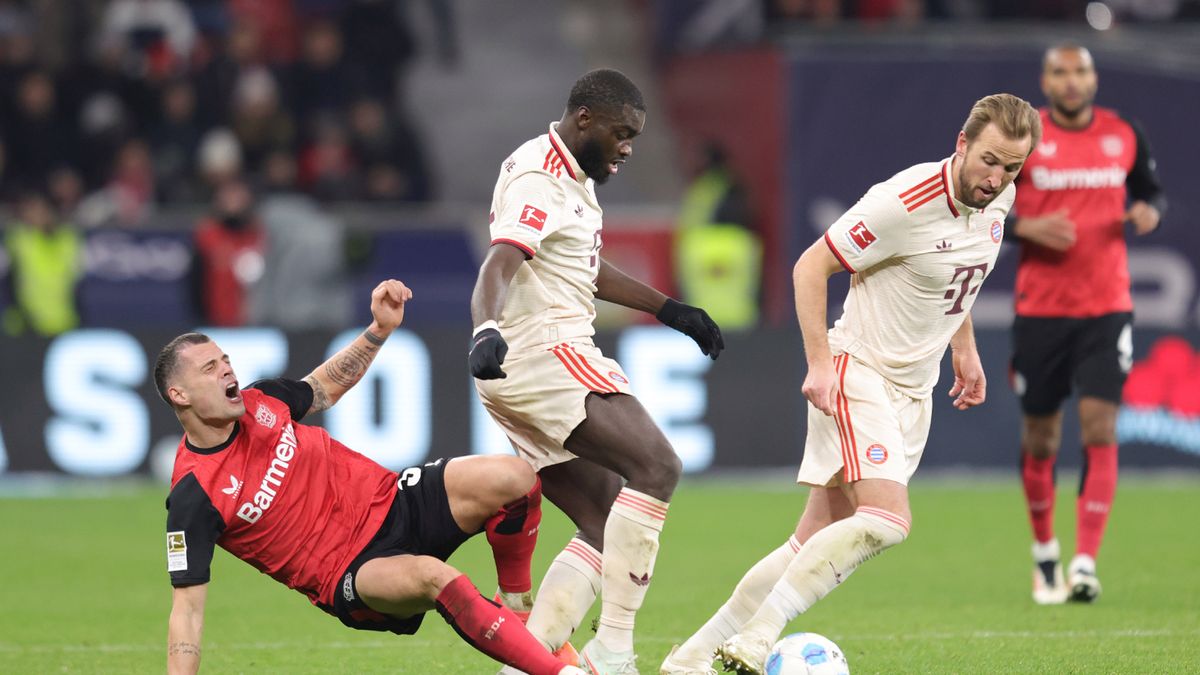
(1072, 113)
(591, 160)
(969, 191)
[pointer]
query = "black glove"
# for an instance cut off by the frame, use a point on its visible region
(488, 349)
(694, 323)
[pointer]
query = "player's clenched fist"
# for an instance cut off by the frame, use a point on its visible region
(488, 350)
(387, 303)
(820, 386)
(694, 323)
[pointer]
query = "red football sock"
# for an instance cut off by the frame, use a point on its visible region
(1096, 490)
(493, 629)
(1038, 478)
(512, 533)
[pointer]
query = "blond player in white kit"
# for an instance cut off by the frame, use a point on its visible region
(566, 408)
(918, 247)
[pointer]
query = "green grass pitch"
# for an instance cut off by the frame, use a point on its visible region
(85, 589)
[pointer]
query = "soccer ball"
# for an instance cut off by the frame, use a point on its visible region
(806, 654)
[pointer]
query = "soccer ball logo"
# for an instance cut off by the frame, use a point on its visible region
(806, 654)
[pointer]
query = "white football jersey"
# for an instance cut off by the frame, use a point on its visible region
(917, 257)
(546, 206)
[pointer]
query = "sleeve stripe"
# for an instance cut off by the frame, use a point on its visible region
(513, 242)
(837, 254)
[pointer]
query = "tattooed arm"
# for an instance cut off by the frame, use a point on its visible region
(334, 378)
(184, 629)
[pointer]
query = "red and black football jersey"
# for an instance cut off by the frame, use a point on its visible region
(1092, 173)
(283, 496)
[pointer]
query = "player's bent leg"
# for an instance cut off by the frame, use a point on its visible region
(406, 585)
(619, 435)
(1040, 439)
(584, 491)
(828, 558)
(506, 493)
(825, 506)
(1097, 488)
(479, 487)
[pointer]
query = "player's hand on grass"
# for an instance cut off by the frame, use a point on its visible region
(1054, 230)
(387, 304)
(1143, 216)
(821, 385)
(970, 384)
(488, 350)
(694, 323)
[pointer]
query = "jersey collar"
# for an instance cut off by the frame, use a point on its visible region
(956, 207)
(237, 426)
(568, 159)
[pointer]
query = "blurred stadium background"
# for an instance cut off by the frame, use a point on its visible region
(254, 167)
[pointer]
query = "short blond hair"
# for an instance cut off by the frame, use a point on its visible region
(1013, 116)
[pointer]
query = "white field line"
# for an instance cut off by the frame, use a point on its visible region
(407, 642)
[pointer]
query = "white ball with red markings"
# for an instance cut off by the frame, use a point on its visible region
(806, 654)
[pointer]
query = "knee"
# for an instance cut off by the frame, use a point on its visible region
(883, 529)
(1101, 431)
(510, 478)
(1041, 442)
(433, 576)
(660, 471)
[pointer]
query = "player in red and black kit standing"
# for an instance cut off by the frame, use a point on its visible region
(1090, 175)
(364, 543)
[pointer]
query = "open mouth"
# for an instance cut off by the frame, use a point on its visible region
(232, 393)
(614, 166)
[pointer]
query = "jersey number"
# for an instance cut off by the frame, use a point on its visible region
(409, 477)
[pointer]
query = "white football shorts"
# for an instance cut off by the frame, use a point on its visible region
(542, 400)
(877, 432)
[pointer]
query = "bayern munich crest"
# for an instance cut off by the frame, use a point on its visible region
(877, 454)
(617, 377)
(997, 231)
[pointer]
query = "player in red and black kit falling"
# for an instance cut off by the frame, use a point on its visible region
(364, 543)
(1090, 175)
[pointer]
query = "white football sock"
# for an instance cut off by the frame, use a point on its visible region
(630, 547)
(745, 601)
(827, 559)
(567, 592)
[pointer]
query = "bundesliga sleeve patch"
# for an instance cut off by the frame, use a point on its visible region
(176, 552)
(859, 237)
(533, 217)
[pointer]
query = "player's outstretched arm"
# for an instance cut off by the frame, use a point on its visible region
(970, 384)
(488, 348)
(811, 279)
(615, 286)
(336, 376)
(184, 629)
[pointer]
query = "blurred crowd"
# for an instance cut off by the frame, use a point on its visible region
(259, 111)
(112, 107)
(783, 12)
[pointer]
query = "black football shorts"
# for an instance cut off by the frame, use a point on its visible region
(1053, 356)
(419, 522)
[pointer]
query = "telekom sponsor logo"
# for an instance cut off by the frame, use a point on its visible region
(285, 451)
(1073, 179)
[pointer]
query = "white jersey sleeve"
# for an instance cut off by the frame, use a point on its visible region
(531, 209)
(873, 230)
